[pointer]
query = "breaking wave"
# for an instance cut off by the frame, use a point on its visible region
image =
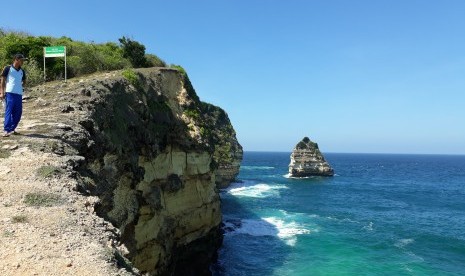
(261, 190)
(267, 226)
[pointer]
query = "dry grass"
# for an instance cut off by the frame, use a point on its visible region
(19, 219)
(41, 199)
(8, 233)
(49, 171)
(4, 153)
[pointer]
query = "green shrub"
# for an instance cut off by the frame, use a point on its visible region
(205, 131)
(192, 113)
(49, 171)
(19, 219)
(179, 68)
(131, 77)
(8, 233)
(41, 199)
(35, 73)
(112, 57)
(154, 61)
(4, 153)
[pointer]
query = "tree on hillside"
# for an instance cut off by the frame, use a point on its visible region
(134, 52)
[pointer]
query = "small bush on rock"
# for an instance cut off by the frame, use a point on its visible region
(19, 219)
(41, 199)
(49, 171)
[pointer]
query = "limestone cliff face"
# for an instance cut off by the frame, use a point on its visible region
(213, 121)
(307, 160)
(228, 152)
(153, 153)
(229, 168)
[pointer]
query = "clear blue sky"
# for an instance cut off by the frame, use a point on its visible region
(355, 76)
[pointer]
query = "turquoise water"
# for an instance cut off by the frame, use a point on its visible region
(380, 215)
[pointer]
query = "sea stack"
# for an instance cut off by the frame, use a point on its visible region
(307, 160)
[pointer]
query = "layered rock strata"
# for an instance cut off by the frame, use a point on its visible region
(307, 160)
(154, 154)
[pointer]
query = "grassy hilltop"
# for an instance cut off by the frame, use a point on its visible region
(82, 57)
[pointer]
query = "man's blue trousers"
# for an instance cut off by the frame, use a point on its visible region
(13, 111)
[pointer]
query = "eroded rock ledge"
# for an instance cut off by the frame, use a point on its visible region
(154, 154)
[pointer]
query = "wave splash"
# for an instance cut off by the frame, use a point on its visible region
(261, 190)
(267, 226)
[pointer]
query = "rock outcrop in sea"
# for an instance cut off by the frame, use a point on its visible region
(154, 155)
(307, 160)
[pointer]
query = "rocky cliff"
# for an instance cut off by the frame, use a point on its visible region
(153, 153)
(213, 122)
(307, 160)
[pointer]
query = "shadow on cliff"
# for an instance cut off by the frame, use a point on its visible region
(251, 245)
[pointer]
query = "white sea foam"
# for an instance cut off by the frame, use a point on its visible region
(288, 175)
(403, 242)
(408, 269)
(270, 226)
(292, 177)
(291, 214)
(352, 221)
(287, 229)
(315, 218)
(261, 190)
(368, 227)
(256, 168)
(256, 228)
(415, 258)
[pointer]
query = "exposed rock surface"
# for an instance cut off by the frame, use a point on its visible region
(307, 160)
(228, 152)
(147, 152)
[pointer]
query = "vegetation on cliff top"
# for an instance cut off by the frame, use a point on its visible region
(82, 58)
(306, 143)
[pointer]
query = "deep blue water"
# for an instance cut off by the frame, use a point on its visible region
(380, 215)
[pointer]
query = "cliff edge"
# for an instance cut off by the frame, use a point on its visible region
(140, 156)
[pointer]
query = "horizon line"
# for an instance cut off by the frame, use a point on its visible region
(385, 153)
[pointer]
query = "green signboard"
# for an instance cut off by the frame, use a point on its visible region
(55, 51)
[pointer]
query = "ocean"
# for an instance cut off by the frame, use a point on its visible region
(380, 215)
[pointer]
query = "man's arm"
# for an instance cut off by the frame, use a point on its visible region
(3, 76)
(24, 80)
(2, 87)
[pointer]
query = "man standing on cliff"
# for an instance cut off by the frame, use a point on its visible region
(12, 80)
